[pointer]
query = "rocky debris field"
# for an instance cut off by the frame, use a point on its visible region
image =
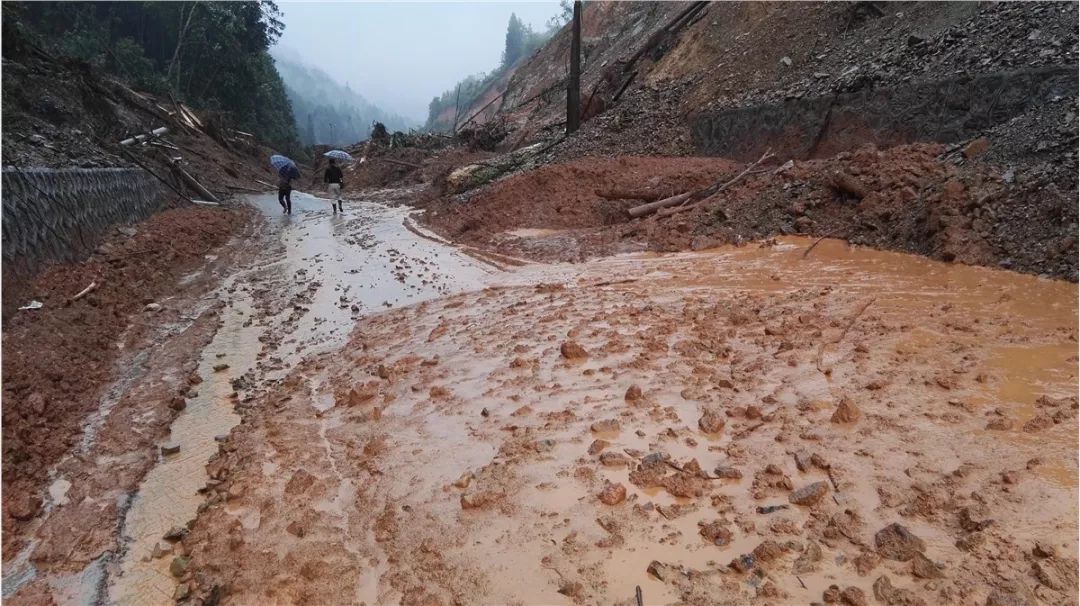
(755, 422)
(59, 359)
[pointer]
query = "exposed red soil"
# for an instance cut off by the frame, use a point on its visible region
(58, 359)
(916, 199)
(572, 195)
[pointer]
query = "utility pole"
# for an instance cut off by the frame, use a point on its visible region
(573, 86)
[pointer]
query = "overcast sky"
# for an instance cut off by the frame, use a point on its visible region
(401, 54)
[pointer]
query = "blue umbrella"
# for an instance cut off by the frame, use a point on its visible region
(337, 154)
(279, 162)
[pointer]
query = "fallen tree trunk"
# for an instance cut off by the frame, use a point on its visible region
(194, 184)
(651, 207)
(688, 200)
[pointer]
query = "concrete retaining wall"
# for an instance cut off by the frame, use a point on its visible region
(943, 111)
(62, 214)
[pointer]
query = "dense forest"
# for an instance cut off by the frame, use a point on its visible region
(328, 113)
(211, 55)
(521, 42)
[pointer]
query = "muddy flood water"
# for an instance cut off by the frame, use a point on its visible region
(385, 418)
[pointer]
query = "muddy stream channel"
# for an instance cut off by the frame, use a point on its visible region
(322, 274)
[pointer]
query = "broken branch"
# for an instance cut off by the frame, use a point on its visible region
(690, 199)
(82, 293)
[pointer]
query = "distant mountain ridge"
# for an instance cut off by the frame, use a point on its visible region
(326, 112)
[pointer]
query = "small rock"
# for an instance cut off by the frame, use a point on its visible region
(728, 473)
(922, 567)
(971, 541)
(179, 566)
(161, 549)
(810, 494)
(597, 446)
(572, 589)
(183, 590)
(606, 425)
(479, 499)
(831, 595)
(23, 507)
(220, 367)
(612, 494)
(544, 445)
(1001, 424)
(753, 412)
(1043, 550)
(853, 596)
(886, 593)
(896, 542)
(633, 394)
(785, 61)
(175, 533)
(464, 480)
(717, 532)
(846, 411)
(711, 422)
(572, 351)
(170, 448)
(768, 551)
(152, 307)
(615, 459)
(177, 403)
(743, 563)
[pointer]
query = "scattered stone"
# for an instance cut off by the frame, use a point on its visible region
(803, 461)
(152, 307)
(161, 549)
(615, 459)
(768, 551)
(177, 403)
(612, 494)
(464, 480)
(717, 532)
(853, 596)
(220, 367)
(662, 571)
(807, 562)
(179, 566)
(810, 494)
(866, 562)
(711, 422)
(183, 590)
(572, 351)
(924, 568)
(1053, 576)
(753, 412)
(1038, 423)
(785, 61)
(175, 533)
(831, 595)
(633, 394)
(1002, 424)
(606, 425)
(170, 449)
(572, 589)
(728, 473)
(887, 594)
(597, 446)
(479, 499)
(743, 563)
(1043, 550)
(846, 411)
(1005, 598)
(896, 542)
(544, 445)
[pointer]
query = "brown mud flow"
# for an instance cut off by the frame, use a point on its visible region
(760, 423)
(316, 275)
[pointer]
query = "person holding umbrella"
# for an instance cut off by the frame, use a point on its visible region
(287, 172)
(334, 180)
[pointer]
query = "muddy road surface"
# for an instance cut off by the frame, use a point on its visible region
(382, 418)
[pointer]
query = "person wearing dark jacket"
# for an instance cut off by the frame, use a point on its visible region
(335, 182)
(284, 193)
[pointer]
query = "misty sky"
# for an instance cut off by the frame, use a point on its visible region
(401, 54)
